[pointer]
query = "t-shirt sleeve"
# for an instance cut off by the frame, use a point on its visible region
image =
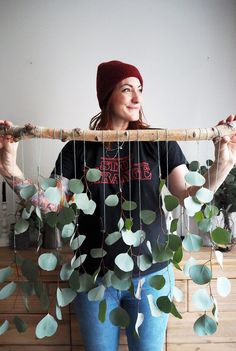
(171, 156)
(68, 161)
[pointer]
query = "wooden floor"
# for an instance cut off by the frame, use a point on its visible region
(180, 335)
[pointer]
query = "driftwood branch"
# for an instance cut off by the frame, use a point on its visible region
(29, 132)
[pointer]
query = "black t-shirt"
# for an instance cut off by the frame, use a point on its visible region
(137, 169)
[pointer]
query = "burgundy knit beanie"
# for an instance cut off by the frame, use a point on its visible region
(109, 74)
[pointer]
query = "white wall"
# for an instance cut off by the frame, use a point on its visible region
(49, 51)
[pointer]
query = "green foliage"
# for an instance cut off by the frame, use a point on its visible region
(202, 207)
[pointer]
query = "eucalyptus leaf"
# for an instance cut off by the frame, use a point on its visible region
(66, 297)
(68, 230)
(86, 282)
(157, 282)
(4, 327)
(128, 223)
(204, 195)
(200, 274)
(124, 262)
(144, 262)
(173, 242)
(107, 278)
(205, 225)
(102, 311)
(161, 254)
(112, 200)
(28, 191)
(77, 242)
(191, 206)
(74, 280)
(194, 178)
(76, 186)
(129, 205)
(66, 215)
(119, 283)
(51, 219)
(202, 300)
(173, 225)
(174, 311)
(121, 224)
(53, 195)
(98, 253)
(38, 213)
(46, 327)
(78, 261)
(47, 261)
(7, 290)
(164, 304)
(58, 313)
(221, 236)
(192, 242)
(93, 175)
(91, 208)
(205, 325)
(20, 325)
(97, 294)
(81, 201)
(148, 216)
(188, 264)
(171, 202)
(194, 166)
(119, 317)
(27, 213)
(139, 322)
(21, 226)
(48, 183)
(30, 270)
(66, 271)
(5, 273)
(178, 294)
(113, 238)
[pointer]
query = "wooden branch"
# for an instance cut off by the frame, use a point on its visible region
(29, 132)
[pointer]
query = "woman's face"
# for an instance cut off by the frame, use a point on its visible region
(125, 103)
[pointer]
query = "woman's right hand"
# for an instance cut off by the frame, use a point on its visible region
(8, 154)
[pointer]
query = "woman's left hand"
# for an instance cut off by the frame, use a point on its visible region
(225, 147)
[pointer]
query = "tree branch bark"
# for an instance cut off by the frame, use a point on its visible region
(30, 132)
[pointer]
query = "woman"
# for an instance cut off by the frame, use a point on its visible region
(132, 171)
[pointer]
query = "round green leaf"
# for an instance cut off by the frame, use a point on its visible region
(205, 225)
(192, 242)
(173, 225)
(112, 200)
(48, 183)
(53, 195)
(29, 270)
(157, 281)
(78, 261)
(148, 216)
(194, 166)
(124, 262)
(205, 325)
(4, 327)
(26, 213)
(20, 325)
(221, 236)
(68, 230)
(171, 202)
(164, 304)
(173, 242)
(77, 242)
(66, 215)
(194, 178)
(66, 297)
(74, 281)
(119, 317)
(46, 327)
(5, 273)
(191, 206)
(144, 262)
(7, 290)
(51, 219)
(113, 238)
(97, 294)
(200, 274)
(47, 261)
(91, 208)
(204, 195)
(102, 311)
(98, 253)
(76, 186)
(21, 226)
(81, 201)
(28, 191)
(129, 205)
(66, 271)
(93, 175)
(202, 300)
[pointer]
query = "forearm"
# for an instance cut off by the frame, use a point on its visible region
(216, 175)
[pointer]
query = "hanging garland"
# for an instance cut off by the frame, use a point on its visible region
(68, 205)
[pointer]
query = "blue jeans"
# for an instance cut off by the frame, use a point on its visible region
(105, 336)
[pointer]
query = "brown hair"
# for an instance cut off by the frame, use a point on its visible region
(102, 120)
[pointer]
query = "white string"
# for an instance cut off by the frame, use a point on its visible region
(139, 180)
